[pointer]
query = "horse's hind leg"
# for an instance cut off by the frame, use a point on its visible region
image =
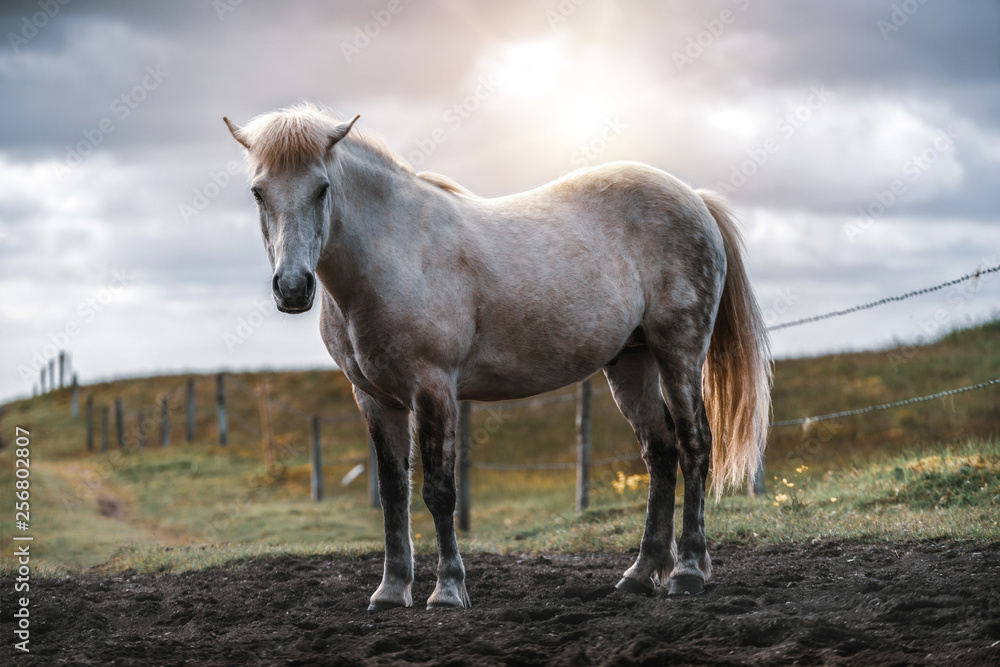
(389, 430)
(437, 418)
(680, 363)
(635, 383)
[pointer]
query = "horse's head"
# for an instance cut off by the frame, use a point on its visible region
(290, 153)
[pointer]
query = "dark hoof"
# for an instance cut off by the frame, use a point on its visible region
(634, 587)
(686, 584)
(382, 605)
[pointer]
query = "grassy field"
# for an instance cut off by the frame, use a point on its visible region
(926, 470)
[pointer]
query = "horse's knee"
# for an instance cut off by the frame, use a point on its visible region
(439, 494)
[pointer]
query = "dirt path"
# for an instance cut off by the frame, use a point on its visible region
(824, 604)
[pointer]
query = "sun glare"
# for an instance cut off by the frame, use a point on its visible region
(574, 91)
(530, 69)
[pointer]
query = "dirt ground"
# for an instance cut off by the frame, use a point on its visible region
(812, 604)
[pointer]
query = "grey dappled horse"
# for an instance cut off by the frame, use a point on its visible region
(431, 295)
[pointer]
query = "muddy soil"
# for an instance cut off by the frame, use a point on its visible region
(813, 604)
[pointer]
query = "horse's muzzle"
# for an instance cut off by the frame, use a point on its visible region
(293, 291)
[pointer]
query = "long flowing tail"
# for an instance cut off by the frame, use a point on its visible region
(736, 380)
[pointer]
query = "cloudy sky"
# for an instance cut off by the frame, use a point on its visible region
(127, 233)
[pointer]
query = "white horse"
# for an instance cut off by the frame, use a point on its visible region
(431, 295)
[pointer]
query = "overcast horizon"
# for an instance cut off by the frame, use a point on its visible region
(858, 141)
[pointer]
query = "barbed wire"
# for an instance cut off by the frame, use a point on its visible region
(889, 299)
(884, 406)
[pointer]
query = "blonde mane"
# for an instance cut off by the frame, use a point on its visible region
(300, 134)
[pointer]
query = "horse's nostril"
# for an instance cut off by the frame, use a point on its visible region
(310, 283)
(275, 286)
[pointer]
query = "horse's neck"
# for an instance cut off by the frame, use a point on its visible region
(372, 227)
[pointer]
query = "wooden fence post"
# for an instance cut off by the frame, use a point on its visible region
(757, 487)
(464, 465)
(76, 398)
(220, 405)
(41, 380)
(265, 426)
(584, 436)
(52, 374)
(317, 461)
(62, 367)
(189, 422)
(373, 496)
(141, 431)
(90, 422)
(165, 421)
(119, 423)
(104, 428)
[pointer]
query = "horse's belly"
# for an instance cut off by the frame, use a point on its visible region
(518, 360)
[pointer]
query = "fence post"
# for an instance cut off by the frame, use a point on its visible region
(76, 398)
(52, 374)
(265, 425)
(584, 434)
(189, 422)
(104, 428)
(756, 487)
(141, 431)
(90, 422)
(220, 404)
(119, 423)
(165, 421)
(317, 461)
(62, 367)
(373, 497)
(464, 465)
(41, 380)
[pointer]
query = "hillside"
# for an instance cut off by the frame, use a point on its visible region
(89, 504)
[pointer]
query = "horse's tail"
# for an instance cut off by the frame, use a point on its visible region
(736, 380)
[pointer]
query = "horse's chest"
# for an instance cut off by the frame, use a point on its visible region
(370, 364)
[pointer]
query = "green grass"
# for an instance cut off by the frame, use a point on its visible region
(198, 504)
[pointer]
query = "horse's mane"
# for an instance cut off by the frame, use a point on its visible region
(296, 135)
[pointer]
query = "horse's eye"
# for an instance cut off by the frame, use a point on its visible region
(257, 197)
(322, 191)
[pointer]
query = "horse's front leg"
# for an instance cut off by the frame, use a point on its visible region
(436, 412)
(389, 429)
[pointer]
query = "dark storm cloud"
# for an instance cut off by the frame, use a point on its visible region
(190, 62)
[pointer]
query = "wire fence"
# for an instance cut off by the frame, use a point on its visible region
(262, 431)
(975, 275)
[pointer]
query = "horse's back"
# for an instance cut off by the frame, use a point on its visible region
(568, 271)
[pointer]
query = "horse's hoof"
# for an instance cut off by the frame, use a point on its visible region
(627, 585)
(444, 605)
(686, 584)
(382, 605)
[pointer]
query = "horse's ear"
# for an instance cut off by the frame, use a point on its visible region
(237, 133)
(341, 131)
